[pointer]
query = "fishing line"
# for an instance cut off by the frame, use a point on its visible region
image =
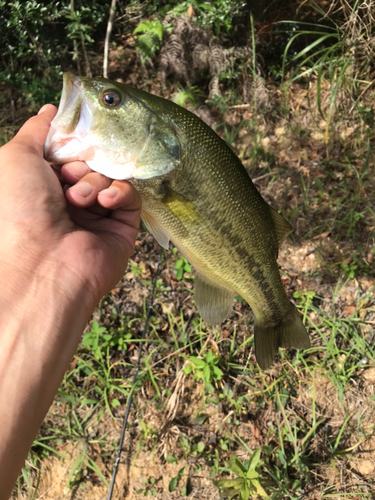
(130, 398)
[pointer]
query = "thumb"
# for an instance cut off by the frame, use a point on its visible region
(34, 132)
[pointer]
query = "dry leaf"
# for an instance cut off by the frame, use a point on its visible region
(349, 309)
(321, 236)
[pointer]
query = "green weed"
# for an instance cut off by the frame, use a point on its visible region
(205, 368)
(150, 35)
(247, 483)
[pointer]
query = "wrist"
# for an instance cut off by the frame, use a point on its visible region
(41, 323)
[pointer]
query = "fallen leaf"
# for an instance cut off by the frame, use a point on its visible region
(321, 236)
(349, 309)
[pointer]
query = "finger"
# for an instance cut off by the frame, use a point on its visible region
(94, 211)
(33, 133)
(74, 171)
(93, 214)
(85, 192)
(120, 195)
(99, 210)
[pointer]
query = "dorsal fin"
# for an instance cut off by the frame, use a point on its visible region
(282, 226)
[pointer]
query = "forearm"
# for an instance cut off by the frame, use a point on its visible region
(41, 323)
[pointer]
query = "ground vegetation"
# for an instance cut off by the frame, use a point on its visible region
(289, 84)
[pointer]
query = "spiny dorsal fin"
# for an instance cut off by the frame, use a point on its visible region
(282, 226)
(213, 302)
(159, 233)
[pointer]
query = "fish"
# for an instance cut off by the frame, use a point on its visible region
(195, 193)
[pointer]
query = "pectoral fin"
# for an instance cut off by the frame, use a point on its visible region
(159, 233)
(213, 302)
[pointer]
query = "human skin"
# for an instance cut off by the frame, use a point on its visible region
(59, 254)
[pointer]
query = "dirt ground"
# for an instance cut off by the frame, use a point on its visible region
(289, 151)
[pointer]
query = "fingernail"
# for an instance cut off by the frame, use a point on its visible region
(84, 189)
(110, 192)
(42, 109)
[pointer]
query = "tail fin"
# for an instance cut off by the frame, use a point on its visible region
(289, 333)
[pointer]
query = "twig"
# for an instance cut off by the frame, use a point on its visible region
(107, 36)
(75, 44)
(240, 106)
(169, 356)
(85, 56)
(263, 176)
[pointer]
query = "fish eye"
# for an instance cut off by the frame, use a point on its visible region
(110, 99)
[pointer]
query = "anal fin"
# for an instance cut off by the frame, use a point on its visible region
(213, 302)
(159, 233)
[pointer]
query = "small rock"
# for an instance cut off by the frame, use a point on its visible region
(365, 467)
(369, 375)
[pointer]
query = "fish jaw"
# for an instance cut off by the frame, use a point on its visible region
(83, 130)
(69, 128)
(71, 138)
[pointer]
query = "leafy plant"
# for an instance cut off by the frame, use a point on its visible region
(148, 490)
(98, 341)
(205, 368)
(182, 266)
(217, 15)
(183, 97)
(77, 429)
(305, 297)
(149, 39)
(175, 480)
(247, 483)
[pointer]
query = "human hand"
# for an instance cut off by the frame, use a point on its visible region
(77, 232)
(59, 254)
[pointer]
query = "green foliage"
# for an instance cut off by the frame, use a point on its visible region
(340, 52)
(218, 15)
(183, 97)
(247, 483)
(148, 42)
(77, 28)
(205, 368)
(98, 341)
(41, 40)
(149, 490)
(77, 429)
(175, 480)
(182, 266)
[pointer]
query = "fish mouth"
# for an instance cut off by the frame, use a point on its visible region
(82, 130)
(66, 138)
(71, 136)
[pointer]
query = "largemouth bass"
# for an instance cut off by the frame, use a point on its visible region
(195, 193)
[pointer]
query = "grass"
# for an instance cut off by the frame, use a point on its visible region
(202, 406)
(205, 419)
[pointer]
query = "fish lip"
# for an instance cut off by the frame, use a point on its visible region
(71, 87)
(67, 125)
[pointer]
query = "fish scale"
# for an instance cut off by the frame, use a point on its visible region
(195, 193)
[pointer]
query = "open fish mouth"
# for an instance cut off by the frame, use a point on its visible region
(66, 140)
(76, 135)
